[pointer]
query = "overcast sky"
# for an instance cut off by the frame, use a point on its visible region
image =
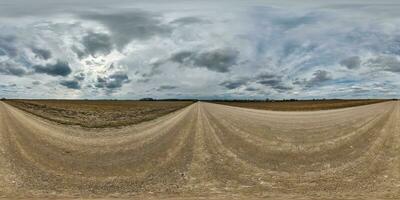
(181, 49)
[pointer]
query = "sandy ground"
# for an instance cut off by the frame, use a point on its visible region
(207, 151)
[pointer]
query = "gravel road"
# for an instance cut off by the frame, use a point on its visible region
(207, 150)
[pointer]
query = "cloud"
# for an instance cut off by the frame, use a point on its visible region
(218, 60)
(11, 69)
(10, 62)
(127, 26)
(79, 76)
(272, 80)
(113, 81)
(385, 63)
(36, 83)
(154, 70)
(79, 52)
(97, 43)
(71, 84)
(182, 57)
(8, 85)
(233, 84)
(42, 53)
(251, 89)
(189, 20)
(291, 22)
(7, 45)
(353, 62)
(166, 87)
(319, 77)
(224, 54)
(75, 83)
(60, 68)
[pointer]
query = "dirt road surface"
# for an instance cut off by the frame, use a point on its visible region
(207, 151)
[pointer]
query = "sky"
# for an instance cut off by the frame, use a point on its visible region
(120, 49)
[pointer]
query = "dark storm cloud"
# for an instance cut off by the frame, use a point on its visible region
(353, 62)
(282, 87)
(182, 56)
(219, 60)
(114, 81)
(97, 43)
(8, 85)
(266, 79)
(36, 83)
(251, 89)
(60, 68)
(75, 83)
(42, 53)
(188, 20)
(233, 84)
(127, 26)
(166, 87)
(71, 84)
(273, 81)
(385, 63)
(318, 78)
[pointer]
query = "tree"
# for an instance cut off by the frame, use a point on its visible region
(147, 99)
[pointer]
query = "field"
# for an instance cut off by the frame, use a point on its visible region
(204, 150)
(305, 105)
(98, 114)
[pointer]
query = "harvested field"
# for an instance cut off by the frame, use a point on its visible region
(207, 150)
(98, 113)
(303, 105)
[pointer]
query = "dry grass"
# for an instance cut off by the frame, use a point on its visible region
(99, 113)
(306, 105)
